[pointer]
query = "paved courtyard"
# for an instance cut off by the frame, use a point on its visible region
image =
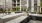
(17, 20)
(34, 21)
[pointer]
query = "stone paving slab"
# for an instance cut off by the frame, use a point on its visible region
(17, 20)
(34, 21)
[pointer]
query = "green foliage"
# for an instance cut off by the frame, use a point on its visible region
(17, 8)
(2, 10)
(23, 9)
(8, 9)
(40, 13)
(13, 9)
(41, 4)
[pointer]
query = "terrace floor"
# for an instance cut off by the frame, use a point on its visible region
(17, 20)
(34, 21)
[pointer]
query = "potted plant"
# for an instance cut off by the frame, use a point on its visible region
(9, 10)
(1, 10)
(17, 8)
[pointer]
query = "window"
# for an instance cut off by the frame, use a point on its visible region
(35, 6)
(16, 5)
(14, 0)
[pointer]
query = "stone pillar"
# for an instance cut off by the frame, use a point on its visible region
(35, 5)
(32, 5)
(38, 6)
(38, 9)
(20, 5)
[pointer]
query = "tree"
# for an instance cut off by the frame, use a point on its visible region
(17, 8)
(41, 4)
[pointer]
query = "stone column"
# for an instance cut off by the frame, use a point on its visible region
(38, 9)
(38, 6)
(20, 5)
(32, 5)
(27, 5)
(35, 6)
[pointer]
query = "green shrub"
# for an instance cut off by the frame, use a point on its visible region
(23, 9)
(40, 13)
(41, 4)
(17, 8)
(9, 10)
(2, 10)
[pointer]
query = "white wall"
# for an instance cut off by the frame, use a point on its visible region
(8, 3)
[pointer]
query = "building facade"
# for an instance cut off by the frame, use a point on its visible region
(7, 3)
(28, 5)
(32, 5)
